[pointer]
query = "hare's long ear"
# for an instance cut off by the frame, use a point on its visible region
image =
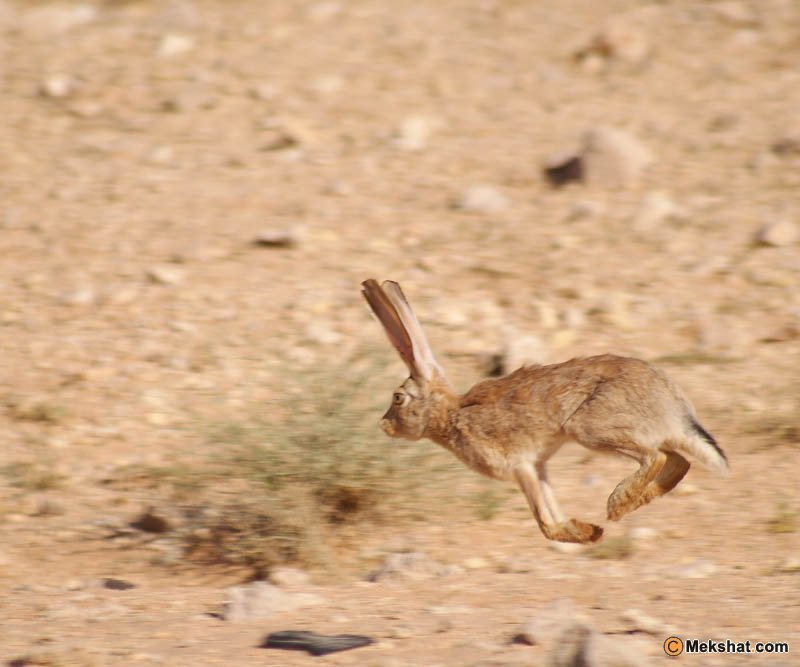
(398, 333)
(422, 349)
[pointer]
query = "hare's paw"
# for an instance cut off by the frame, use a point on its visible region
(574, 531)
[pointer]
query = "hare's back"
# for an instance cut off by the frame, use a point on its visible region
(612, 384)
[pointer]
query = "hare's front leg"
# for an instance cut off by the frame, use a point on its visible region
(551, 526)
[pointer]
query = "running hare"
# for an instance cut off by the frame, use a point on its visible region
(507, 428)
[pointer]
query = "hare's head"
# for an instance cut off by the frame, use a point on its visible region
(408, 414)
(414, 401)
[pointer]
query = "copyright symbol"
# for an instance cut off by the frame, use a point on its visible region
(673, 646)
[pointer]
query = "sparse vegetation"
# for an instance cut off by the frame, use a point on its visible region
(29, 476)
(488, 501)
(785, 520)
(280, 490)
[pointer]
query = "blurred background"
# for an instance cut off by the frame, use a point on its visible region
(191, 193)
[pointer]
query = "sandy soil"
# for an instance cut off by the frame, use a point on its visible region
(144, 145)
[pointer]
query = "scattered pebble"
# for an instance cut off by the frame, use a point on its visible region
(655, 208)
(548, 623)
(58, 86)
(278, 238)
(166, 274)
(790, 566)
(174, 44)
(475, 563)
(413, 565)
(697, 569)
(638, 620)
(151, 522)
(608, 157)
(617, 41)
(288, 577)
(613, 157)
(483, 199)
(117, 584)
(83, 296)
(780, 233)
(413, 133)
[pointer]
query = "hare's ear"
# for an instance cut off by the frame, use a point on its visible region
(396, 329)
(423, 353)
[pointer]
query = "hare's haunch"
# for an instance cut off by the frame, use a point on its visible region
(508, 428)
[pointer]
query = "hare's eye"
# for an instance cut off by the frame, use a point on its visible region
(398, 398)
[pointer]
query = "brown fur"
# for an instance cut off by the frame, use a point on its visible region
(508, 428)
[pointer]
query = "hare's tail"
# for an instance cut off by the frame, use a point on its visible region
(702, 445)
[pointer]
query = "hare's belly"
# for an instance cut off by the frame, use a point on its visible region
(489, 460)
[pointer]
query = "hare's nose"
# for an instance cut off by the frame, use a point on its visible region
(387, 426)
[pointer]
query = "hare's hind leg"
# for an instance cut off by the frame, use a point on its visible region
(629, 492)
(674, 470)
(552, 528)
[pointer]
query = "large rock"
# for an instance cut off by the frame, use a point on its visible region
(613, 158)
(581, 646)
(261, 600)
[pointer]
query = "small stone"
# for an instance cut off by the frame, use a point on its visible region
(413, 133)
(642, 622)
(413, 565)
(780, 233)
(286, 133)
(655, 208)
(151, 522)
(322, 333)
(166, 274)
(174, 44)
(787, 145)
(585, 209)
(548, 624)
(83, 296)
(260, 600)
(619, 41)
(278, 238)
(161, 155)
(483, 199)
(697, 569)
(790, 566)
(564, 167)
(117, 584)
(58, 86)
(614, 158)
(74, 585)
(475, 563)
(288, 577)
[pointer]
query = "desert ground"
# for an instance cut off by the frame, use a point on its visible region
(191, 193)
